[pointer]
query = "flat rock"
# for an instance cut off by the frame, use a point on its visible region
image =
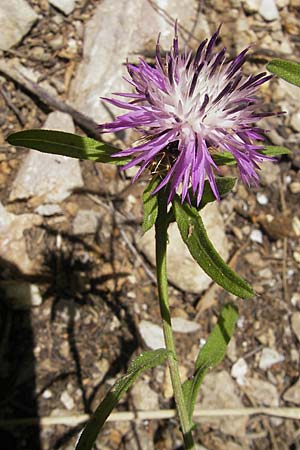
(188, 277)
(106, 48)
(65, 6)
(12, 242)
(144, 398)
(16, 19)
(268, 10)
(295, 321)
(50, 177)
(263, 392)
(49, 209)
(269, 357)
(152, 334)
(181, 325)
(293, 393)
(218, 391)
(86, 221)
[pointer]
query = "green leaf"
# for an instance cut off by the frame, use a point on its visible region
(275, 150)
(224, 158)
(211, 354)
(224, 185)
(287, 70)
(143, 362)
(195, 237)
(66, 144)
(150, 205)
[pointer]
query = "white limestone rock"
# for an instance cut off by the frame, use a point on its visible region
(183, 271)
(16, 19)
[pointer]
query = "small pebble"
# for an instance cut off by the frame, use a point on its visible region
(47, 394)
(262, 199)
(295, 187)
(67, 400)
(239, 371)
(269, 357)
(256, 236)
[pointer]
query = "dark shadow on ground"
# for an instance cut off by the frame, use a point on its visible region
(17, 375)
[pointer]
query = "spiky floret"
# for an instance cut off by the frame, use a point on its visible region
(185, 107)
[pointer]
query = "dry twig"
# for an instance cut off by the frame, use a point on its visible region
(53, 102)
(204, 414)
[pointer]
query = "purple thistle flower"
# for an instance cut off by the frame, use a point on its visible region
(187, 108)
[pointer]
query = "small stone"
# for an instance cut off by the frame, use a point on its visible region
(38, 53)
(47, 394)
(296, 256)
(22, 295)
(65, 6)
(295, 187)
(293, 393)
(256, 236)
(231, 350)
(12, 243)
(57, 43)
(144, 398)
(269, 357)
(295, 322)
(67, 400)
(296, 225)
(16, 19)
(295, 121)
(263, 392)
(262, 199)
(49, 209)
(152, 334)
(181, 325)
(239, 371)
(86, 222)
(268, 10)
(251, 6)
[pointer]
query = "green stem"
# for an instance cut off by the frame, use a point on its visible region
(161, 227)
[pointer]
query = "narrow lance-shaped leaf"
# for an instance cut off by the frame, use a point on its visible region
(150, 205)
(195, 237)
(66, 144)
(211, 354)
(275, 150)
(145, 361)
(287, 70)
(227, 158)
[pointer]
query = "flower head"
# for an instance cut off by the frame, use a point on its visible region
(187, 108)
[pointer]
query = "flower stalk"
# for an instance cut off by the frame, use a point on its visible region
(161, 227)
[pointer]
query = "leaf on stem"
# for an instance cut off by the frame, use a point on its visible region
(150, 205)
(275, 150)
(195, 237)
(287, 70)
(143, 362)
(211, 354)
(66, 144)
